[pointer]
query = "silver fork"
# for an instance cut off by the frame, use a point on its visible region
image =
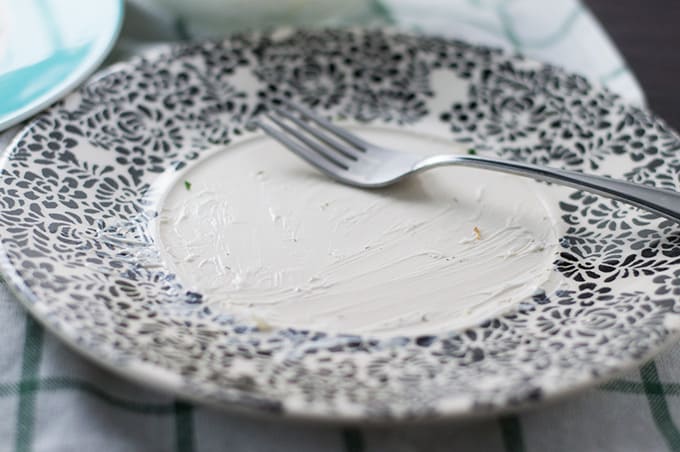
(351, 160)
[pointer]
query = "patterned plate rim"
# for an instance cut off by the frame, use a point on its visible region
(151, 375)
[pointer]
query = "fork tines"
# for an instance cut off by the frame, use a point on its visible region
(312, 137)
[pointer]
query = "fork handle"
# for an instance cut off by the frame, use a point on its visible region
(663, 202)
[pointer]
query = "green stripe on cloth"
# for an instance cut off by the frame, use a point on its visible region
(546, 41)
(639, 388)
(508, 27)
(632, 387)
(184, 427)
(612, 75)
(628, 387)
(658, 405)
(511, 433)
(380, 10)
(353, 440)
(32, 352)
(181, 29)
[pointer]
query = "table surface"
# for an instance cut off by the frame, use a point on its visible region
(648, 37)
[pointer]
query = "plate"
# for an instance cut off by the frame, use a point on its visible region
(48, 47)
(147, 225)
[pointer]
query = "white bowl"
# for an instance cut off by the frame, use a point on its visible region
(214, 16)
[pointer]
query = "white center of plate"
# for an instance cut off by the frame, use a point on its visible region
(264, 236)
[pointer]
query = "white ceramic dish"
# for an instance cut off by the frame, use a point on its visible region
(143, 223)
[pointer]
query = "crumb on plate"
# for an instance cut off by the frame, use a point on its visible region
(263, 326)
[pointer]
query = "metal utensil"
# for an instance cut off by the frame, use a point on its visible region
(351, 160)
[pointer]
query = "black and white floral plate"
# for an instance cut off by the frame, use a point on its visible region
(77, 198)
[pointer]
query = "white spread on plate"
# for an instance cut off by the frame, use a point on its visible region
(262, 235)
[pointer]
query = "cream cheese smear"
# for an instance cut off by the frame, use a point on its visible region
(264, 236)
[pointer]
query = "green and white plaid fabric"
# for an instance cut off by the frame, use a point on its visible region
(53, 400)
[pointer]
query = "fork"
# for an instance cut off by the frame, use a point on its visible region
(354, 161)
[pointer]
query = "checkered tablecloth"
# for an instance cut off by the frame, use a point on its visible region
(53, 400)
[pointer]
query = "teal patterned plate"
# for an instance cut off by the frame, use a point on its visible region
(48, 47)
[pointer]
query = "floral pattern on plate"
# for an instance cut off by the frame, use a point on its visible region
(75, 211)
